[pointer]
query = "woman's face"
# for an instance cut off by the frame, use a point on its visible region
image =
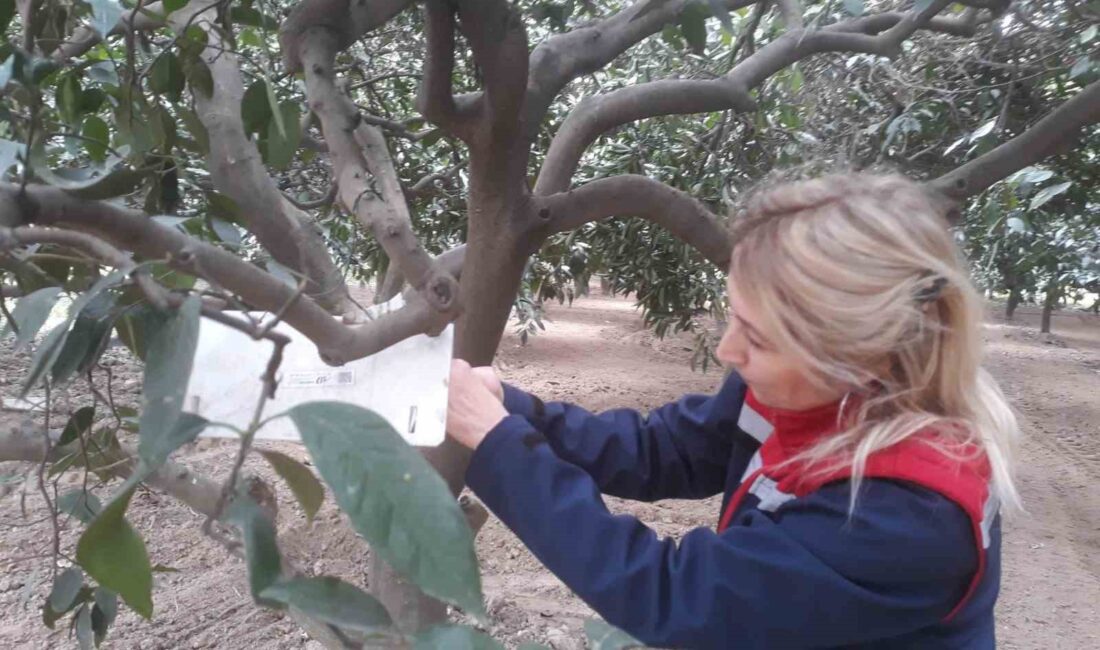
(777, 378)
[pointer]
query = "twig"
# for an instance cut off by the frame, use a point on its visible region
(42, 486)
(270, 383)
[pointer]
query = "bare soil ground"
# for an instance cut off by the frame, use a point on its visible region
(598, 354)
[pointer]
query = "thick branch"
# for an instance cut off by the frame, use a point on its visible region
(131, 230)
(1046, 137)
(564, 57)
(435, 99)
(347, 21)
(596, 115)
(363, 170)
(498, 40)
(237, 170)
(639, 196)
(97, 248)
(450, 261)
(23, 441)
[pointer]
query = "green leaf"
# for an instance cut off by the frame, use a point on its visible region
(93, 182)
(79, 423)
(1088, 34)
(250, 16)
(103, 72)
(105, 15)
(455, 637)
(260, 546)
(9, 153)
(196, 128)
(91, 100)
(983, 130)
(114, 555)
(103, 612)
(84, 633)
(854, 7)
(69, 96)
(169, 357)
(198, 75)
(78, 503)
(1047, 193)
(173, 5)
(30, 313)
(166, 76)
(394, 499)
(795, 80)
(693, 26)
(305, 486)
(87, 340)
(273, 106)
(134, 326)
(255, 108)
(66, 587)
(7, 11)
(1083, 66)
(97, 137)
(332, 601)
(226, 232)
(603, 636)
(282, 143)
(224, 207)
(46, 354)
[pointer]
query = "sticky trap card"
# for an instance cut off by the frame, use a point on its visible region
(406, 383)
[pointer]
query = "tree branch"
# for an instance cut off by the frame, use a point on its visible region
(639, 196)
(1046, 137)
(131, 230)
(498, 40)
(237, 170)
(347, 21)
(564, 57)
(435, 99)
(141, 18)
(595, 115)
(363, 170)
(97, 248)
(450, 261)
(23, 441)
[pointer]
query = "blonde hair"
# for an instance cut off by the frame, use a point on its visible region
(858, 275)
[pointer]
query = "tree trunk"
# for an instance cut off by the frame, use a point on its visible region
(1048, 307)
(491, 276)
(1013, 302)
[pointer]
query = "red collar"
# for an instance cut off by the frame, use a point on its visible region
(796, 430)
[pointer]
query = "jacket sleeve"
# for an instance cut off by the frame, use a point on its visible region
(679, 450)
(808, 575)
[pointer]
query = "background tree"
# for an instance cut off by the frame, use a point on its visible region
(176, 159)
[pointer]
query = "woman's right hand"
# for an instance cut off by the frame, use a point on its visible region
(489, 377)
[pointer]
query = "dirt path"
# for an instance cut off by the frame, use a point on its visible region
(599, 355)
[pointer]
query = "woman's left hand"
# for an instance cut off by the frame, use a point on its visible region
(472, 409)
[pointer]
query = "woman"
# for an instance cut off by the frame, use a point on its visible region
(861, 448)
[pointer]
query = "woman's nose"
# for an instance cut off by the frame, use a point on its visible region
(732, 347)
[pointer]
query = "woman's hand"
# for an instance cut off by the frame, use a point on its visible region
(474, 404)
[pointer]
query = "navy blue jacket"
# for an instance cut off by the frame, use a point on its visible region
(806, 574)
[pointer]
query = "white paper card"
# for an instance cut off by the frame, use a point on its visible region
(406, 383)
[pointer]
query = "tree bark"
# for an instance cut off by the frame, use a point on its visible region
(1052, 294)
(1013, 302)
